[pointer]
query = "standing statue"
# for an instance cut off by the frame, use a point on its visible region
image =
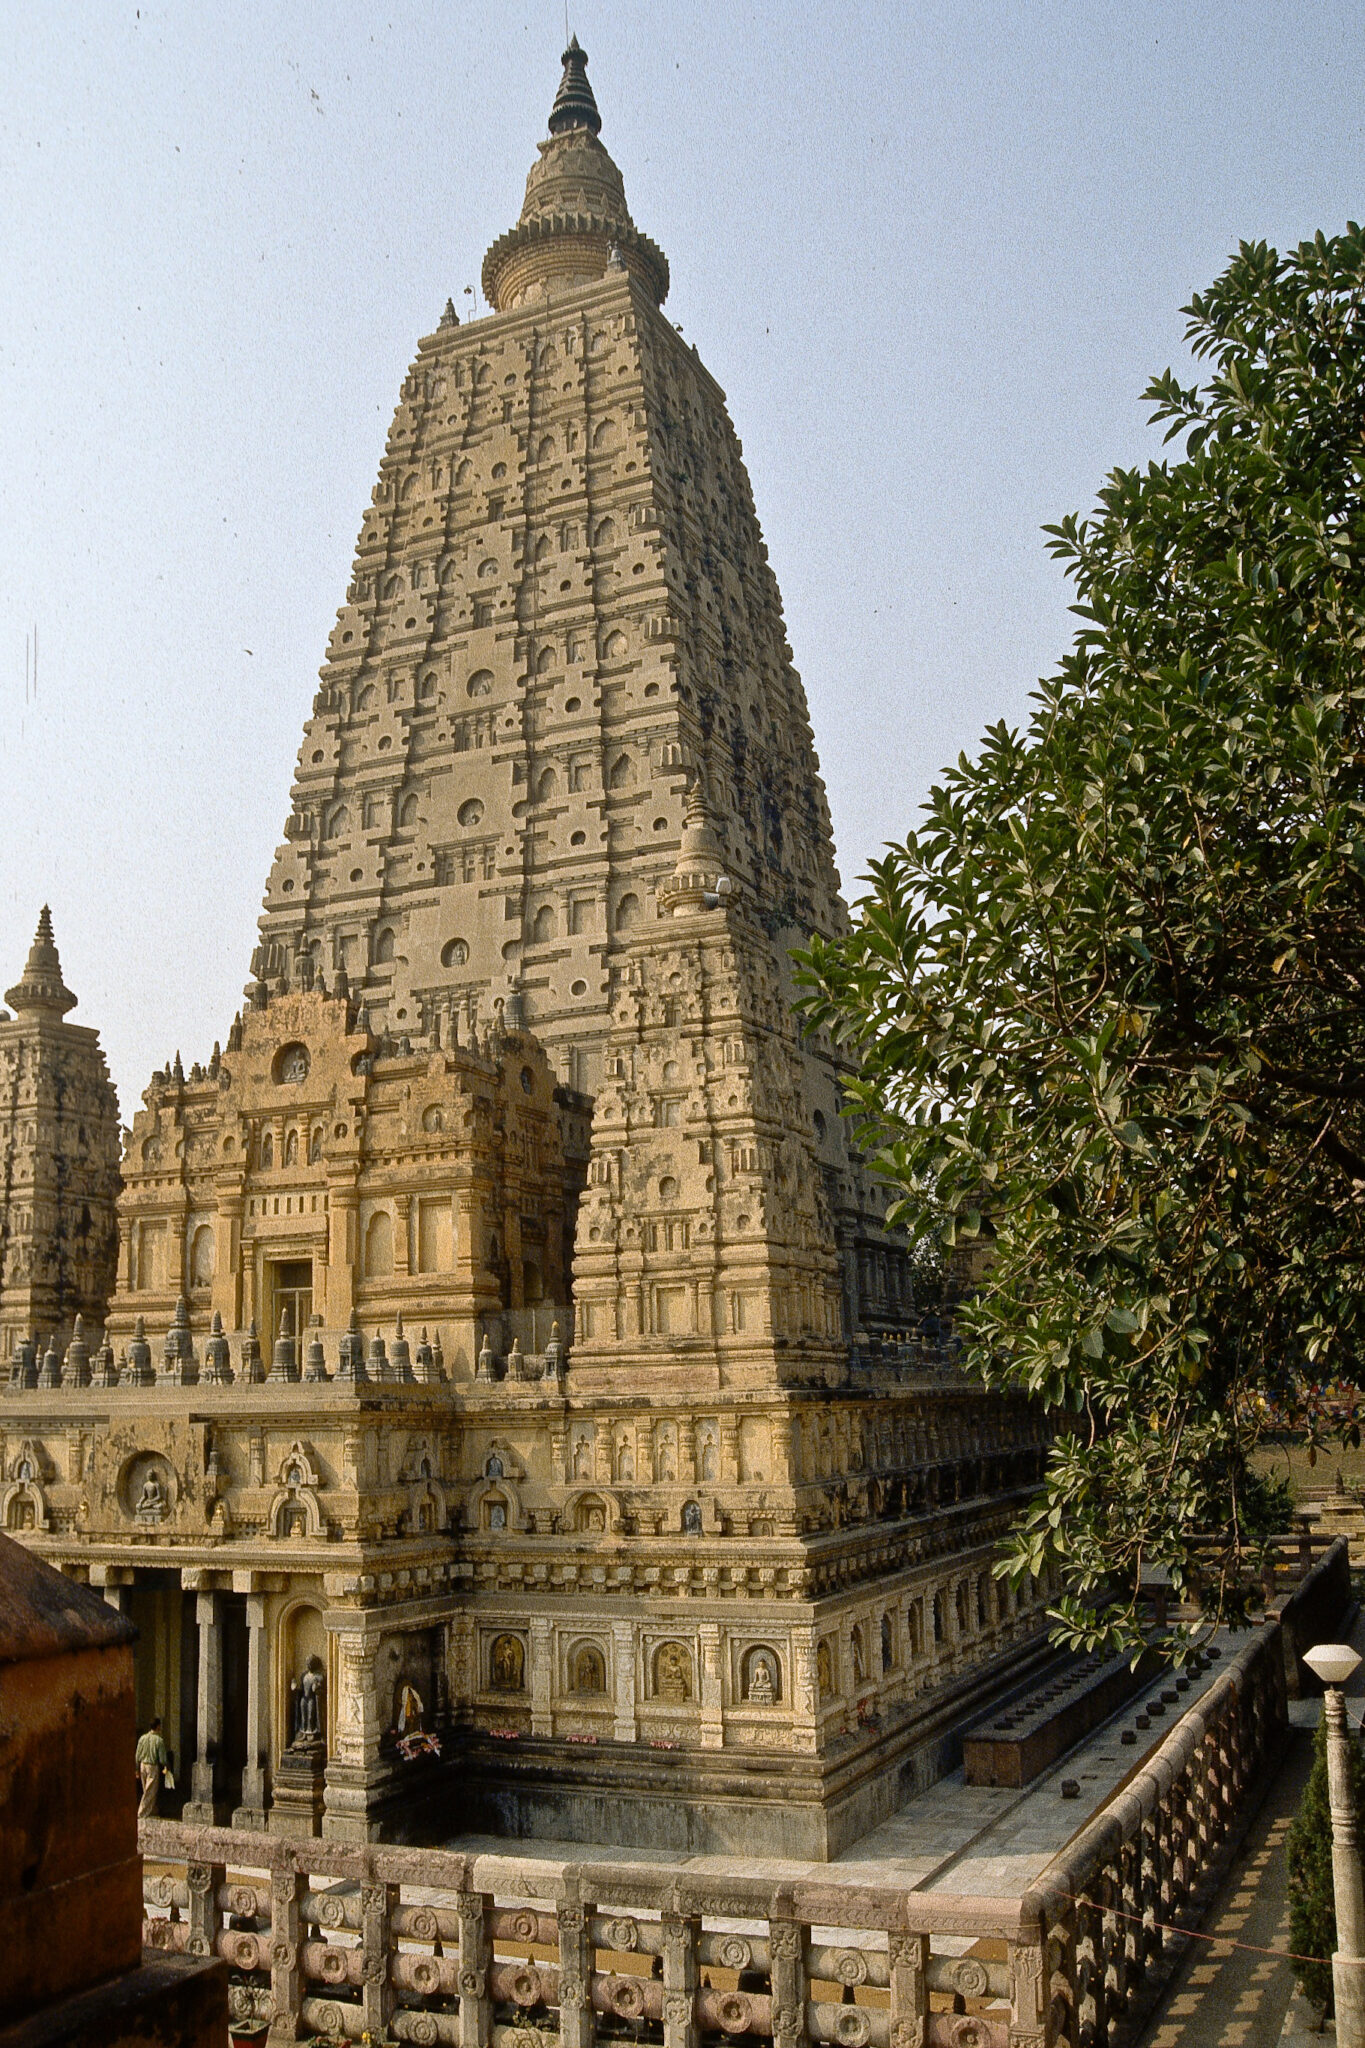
(307, 1690)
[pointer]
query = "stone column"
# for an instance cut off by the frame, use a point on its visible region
(680, 1938)
(342, 1206)
(288, 1889)
(256, 1772)
(227, 1283)
(402, 1234)
(476, 1953)
(710, 1689)
(204, 1880)
(805, 1703)
(199, 1807)
(542, 1676)
(354, 1763)
(576, 2023)
(625, 1728)
(377, 1903)
(787, 1960)
(908, 1957)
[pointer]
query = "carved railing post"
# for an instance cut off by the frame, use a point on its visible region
(1150, 1907)
(288, 1889)
(577, 2028)
(476, 1949)
(377, 1902)
(908, 1959)
(1092, 1998)
(1028, 1988)
(1131, 1932)
(204, 1880)
(680, 1936)
(1064, 1988)
(787, 1953)
(1114, 1938)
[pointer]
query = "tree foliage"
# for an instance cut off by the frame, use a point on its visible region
(1107, 997)
(1308, 1848)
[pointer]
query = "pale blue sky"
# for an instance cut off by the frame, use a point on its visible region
(932, 253)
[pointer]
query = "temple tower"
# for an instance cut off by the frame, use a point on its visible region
(561, 623)
(59, 1158)
(678, 1531)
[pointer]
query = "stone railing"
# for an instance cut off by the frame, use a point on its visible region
(495, 1951)
(1108, 1912)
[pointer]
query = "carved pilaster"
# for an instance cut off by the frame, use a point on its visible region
(680, 1937)
(377, 1902)
(542, 1675)
(288, 1890)
(576, 2024)
(626, 1728)
(476, 2007)
(204, 1880)
(909, 1965)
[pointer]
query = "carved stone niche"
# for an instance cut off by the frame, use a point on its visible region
(148, 1489)
(23, 1503)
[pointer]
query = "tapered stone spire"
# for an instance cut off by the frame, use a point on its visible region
(59, 1154)
(560, 776)
(41, 989)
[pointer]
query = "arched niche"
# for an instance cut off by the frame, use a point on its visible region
(300, 1633)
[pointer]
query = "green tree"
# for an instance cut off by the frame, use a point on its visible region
(1312, 1915)
(1108, 999)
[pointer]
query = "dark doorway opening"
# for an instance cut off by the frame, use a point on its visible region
(291, 1287)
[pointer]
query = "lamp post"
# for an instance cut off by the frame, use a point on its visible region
(1334, 1663)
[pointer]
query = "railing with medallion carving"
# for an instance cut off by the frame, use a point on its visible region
(476, 1952)
(437, 1947)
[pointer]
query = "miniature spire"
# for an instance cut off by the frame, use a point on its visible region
(574, 105)
(218, 1354)
(42, 989)
(450, 318)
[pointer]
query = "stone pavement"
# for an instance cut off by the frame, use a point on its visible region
(1223, 1997)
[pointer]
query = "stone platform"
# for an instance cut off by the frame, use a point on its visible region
(980, 1839)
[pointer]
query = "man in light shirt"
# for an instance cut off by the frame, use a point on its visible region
(153, 1762)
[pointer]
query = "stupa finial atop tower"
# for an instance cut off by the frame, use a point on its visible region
(41, 987)
(574, 222)
(574, 105)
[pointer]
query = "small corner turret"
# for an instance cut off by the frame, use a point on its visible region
(59, 1154)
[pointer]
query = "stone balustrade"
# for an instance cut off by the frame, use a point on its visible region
(480, 1952)
(488, 1951)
